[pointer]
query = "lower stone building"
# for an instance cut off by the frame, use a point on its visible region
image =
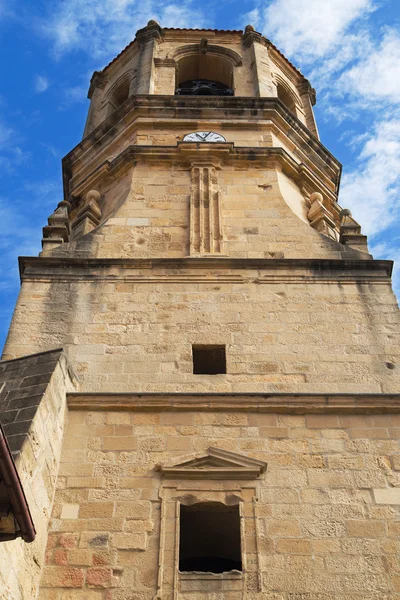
(201, 380)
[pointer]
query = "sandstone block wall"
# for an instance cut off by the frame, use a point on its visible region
(37, 464)
(135, 333)
(326, 520)
(257, 219)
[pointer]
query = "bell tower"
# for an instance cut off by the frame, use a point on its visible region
(224, 346)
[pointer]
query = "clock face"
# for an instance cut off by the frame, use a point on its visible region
(204, 136)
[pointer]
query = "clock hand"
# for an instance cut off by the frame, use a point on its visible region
(199, 136)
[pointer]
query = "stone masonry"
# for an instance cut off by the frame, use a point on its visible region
(161, 246)
(33, 410)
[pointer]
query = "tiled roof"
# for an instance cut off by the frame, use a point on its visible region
(25, 381)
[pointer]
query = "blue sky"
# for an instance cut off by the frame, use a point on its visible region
(349, 49)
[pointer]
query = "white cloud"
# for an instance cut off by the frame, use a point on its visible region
(371, 189)
(41, 84)
(312, 28)
(378, 75)
(104, 27)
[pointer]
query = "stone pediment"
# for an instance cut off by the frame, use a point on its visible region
(215, 464)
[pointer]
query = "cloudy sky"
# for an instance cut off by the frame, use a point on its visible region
(349, 49)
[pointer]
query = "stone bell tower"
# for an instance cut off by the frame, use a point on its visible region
(214, 351)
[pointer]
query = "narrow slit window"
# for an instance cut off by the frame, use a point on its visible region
(209, 538)
(209, 360)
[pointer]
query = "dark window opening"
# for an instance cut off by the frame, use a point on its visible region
(209, 360)
(286, 98)
(209, 538)
(203, 87)
(121, 94)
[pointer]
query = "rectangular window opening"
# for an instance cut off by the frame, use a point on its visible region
(209, 538)
(208, 360)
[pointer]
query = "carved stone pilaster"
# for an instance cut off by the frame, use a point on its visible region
(58, 229)
(98, 80)
(306, 88)
(147, 40)
(89, 216)
(205, 216)
(350, 232)
(320, 218)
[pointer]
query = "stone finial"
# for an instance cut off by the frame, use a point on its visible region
(58, 229)
(347, 223)
(250, 36)
(89, 216)
(152, 31)
(93, 197)
(320, 218)
(316, 196)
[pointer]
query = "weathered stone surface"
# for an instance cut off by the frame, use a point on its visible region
(37, 455)
(239, 244)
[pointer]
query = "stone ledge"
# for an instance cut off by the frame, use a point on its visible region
(285, 269)
(264, 403)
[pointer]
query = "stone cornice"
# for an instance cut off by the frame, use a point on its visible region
(220, 269)
(282, 403)
(195, 109)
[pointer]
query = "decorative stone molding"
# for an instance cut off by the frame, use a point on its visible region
(318, 166)
(58, 229)
(350, 232)
(190, 49)
(89, 216)
(279, 403)
(129, 76)
(215, 464)
(185, 492)
(165, 62)
(219, 269)
(320, 218)
(205, 217)
(203, 45)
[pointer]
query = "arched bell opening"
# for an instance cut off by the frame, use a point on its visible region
(204, 75)
(285, 97)
(120, 94)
